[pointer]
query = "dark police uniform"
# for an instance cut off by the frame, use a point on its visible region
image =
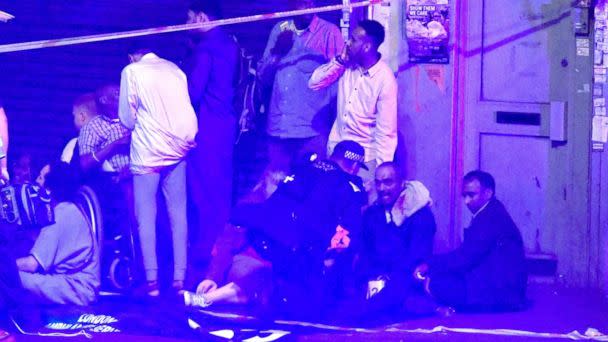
(293, 230)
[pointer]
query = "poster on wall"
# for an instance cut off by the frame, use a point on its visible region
(427, 30)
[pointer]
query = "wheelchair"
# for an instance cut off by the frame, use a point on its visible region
(116, 251)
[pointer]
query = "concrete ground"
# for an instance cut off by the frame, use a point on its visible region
(554, 312)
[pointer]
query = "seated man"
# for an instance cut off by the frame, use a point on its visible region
(397, 235)
(104, 144)
(84, 110)
(488, 271)
(63, 264)
(103, 141)
(297, 239)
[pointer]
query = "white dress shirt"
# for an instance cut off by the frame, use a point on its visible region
(367, 107)
(154, 103)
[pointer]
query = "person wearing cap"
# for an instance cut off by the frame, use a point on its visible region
(367, 97)
(299, 239)
(397, 235)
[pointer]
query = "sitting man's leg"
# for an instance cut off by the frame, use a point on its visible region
(449, 290)
(248, 282)
(10, 284)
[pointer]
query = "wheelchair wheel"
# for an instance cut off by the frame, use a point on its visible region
(120, 273)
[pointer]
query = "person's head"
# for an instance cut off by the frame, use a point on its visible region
(302, 21)
(84, 109)
(62, 181)
(137, 50)
(390, 182)
(107, 100)
(350, 156)
(478, 188)
(365, 40)
(21, 169)
(41, 178)
(201, 11)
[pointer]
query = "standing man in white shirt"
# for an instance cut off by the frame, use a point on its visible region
(155, 104)
(367, 97)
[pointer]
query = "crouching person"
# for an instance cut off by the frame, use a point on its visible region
(63, 265)
(293, 249)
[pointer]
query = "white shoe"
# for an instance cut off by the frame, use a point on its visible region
(193, 299)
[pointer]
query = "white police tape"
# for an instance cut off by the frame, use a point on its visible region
(42, 44)
(589, 334)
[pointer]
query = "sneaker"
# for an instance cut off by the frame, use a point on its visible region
(193, 299)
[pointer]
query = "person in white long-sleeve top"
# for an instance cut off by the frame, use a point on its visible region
(154, 103)
(367, 97)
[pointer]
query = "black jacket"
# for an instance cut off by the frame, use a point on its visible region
(491, 259)
(294, 227)
(388, 249)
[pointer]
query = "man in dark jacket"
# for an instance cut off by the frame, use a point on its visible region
(487, 272)
(212, 74)
(298, 239)
(397, 235)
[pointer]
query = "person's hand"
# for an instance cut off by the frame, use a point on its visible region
(283, 44)
(122, 145)
(126, 140)
(4, 176)
(343, 58)
(420, 273)
(206, 286)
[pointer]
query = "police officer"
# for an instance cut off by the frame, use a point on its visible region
(302, 233)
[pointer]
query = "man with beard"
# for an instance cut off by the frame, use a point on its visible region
(397, 235)
(367, 97)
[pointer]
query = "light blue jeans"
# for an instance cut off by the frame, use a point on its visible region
(172, 180)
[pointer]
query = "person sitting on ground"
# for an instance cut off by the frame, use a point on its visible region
(63, 264)
(298, 240)
(487, 272)
(397, 235)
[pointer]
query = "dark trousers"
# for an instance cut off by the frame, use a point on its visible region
(449, 289)
(209, 182)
